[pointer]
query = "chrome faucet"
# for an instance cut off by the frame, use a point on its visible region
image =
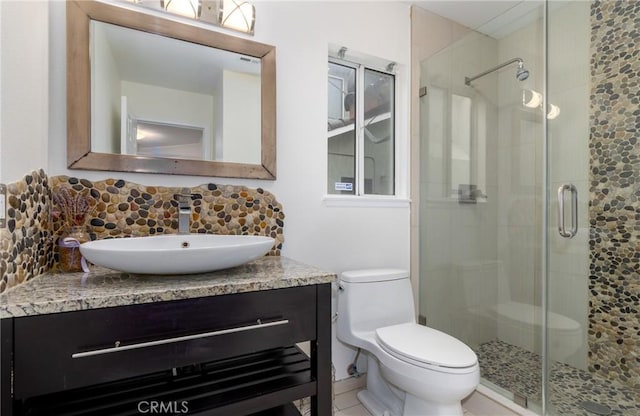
(184, 211)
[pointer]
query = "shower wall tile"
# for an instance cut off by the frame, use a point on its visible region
(614, 212)
(567, 289)
(569, 32)
(569, 157)
(25, 244)
(472, 227)
(520, 267)
(430, 33)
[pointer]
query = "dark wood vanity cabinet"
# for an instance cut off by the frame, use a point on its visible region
(219, 355)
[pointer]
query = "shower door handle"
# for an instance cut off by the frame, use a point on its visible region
(574, 211)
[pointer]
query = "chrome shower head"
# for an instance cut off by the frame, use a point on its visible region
(522, 73)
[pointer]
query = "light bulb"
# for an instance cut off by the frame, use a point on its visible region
(531, 98)
(188, 8)
(238, 15)
(554, 111)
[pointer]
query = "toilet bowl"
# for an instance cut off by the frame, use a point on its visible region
(413, 370)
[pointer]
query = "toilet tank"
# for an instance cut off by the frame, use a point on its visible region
(370, 299)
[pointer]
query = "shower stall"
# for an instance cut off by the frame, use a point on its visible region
(528, 195)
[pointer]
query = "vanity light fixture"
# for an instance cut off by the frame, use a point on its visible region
(187, 8)
(237, 15)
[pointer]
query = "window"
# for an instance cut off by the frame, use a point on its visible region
(361, 129)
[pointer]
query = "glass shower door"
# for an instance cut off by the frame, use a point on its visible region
(530, 203)
(481, 199)
(593, 289)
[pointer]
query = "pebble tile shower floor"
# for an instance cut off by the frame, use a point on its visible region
(518, 371)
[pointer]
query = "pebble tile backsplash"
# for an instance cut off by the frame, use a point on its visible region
(125, 209)
(27, 240)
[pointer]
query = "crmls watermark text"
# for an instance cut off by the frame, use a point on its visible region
(160, 408)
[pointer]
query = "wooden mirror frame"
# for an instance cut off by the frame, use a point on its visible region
(79, 154)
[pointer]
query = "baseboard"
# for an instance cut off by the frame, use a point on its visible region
(482, 402)
(348, 384)
(485, 402)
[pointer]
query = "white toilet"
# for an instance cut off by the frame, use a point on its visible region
(412, 370)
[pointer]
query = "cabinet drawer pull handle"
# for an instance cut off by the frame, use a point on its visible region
(118, 348)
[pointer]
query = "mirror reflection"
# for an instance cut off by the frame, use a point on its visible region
(162, 97)
(166, 140)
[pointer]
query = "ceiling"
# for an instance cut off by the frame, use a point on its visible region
(496, 18)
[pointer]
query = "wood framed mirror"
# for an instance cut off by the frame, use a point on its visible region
(95, 111)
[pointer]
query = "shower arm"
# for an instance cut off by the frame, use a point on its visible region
(468, 80)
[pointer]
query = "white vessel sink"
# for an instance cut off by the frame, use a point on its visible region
(176, 253)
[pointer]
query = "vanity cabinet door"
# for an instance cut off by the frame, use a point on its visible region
(76, 349)
(6, 356)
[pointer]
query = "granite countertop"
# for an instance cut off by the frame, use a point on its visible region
(102, 288)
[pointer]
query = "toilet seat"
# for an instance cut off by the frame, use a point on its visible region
(425, 347)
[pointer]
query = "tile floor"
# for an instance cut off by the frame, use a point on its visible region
(347, 404)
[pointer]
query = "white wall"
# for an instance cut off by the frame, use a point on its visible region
(24, 30)
(240, 102)
(334, 238)
(105, 102)
(182, 108)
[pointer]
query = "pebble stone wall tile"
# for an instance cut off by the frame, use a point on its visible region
(614, 212)
(26, 241)
(127, 209)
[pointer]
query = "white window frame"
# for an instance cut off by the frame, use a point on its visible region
(399, 199)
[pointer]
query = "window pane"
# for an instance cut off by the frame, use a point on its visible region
(379, 158)
(340, 125)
